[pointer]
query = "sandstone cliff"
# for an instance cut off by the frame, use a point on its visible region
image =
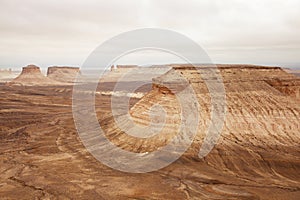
(261, 125)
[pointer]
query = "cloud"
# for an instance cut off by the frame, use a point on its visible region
(65, 31)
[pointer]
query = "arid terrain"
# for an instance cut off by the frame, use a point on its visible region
(256, 157)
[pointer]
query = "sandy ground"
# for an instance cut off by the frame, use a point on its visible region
(42, 156)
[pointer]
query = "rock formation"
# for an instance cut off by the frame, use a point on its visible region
(256, 157)
(244, 85)
(31, 75)
(63, 74)
(262, 122)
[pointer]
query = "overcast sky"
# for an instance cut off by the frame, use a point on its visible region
(64, 32)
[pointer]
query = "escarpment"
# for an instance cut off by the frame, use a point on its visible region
(251, 96)
(260, 128)
(256, 156)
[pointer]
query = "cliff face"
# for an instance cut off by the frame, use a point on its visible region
(268, 93)
(31, 69)
(289, 87)
(63, 74)
(261, 127)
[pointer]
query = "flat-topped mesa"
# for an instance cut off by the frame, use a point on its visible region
(66, 69)
(32, 75)
(276, 77)
(251, 97)
(181, 76)
(63, 74)
(31, 69)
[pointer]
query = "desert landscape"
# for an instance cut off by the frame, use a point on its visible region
(149, 100)
(256, 157)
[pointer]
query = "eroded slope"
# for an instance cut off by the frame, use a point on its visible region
(257, 156)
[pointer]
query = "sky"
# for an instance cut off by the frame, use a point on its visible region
(65, 32)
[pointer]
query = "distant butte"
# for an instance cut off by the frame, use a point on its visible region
(256, 156)
(63, 74)
(32, 75)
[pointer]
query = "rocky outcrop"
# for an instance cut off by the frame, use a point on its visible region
(256, 157)
(31, 75)
(63, 74)
(261, 125)
(269, 87)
